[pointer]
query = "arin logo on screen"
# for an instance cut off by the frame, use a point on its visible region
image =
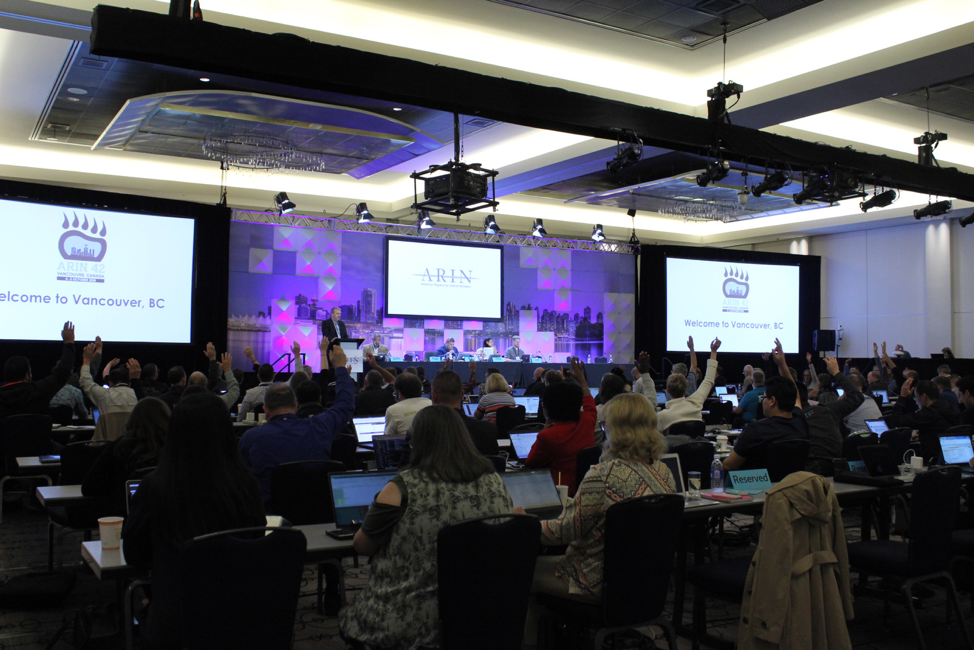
(445, 276)
(736, 288)
(82, 251)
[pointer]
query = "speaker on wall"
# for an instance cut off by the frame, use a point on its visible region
(823, 340)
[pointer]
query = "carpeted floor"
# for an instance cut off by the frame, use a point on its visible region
(23, 549)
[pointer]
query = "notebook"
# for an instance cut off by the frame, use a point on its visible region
(672, 461)
(523, 442)
(879, 460)
(530, 405)
(882, 394)
(729, 397)
(534, 491)
(366, 428)
(352, 493)
(388, 451)
(877, 426)
(957, 451)
(130, 488)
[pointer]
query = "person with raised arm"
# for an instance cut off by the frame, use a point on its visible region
(20, 394)
(679, 407)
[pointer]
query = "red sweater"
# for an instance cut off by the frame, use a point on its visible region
(557, 446)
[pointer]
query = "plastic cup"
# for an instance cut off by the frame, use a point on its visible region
(563, 494)
(693, 485)
(262, 417)
(249, 417)
(110, 532)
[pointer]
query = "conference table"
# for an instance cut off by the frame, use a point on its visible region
(515, 372)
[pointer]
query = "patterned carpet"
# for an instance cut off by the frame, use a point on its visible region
(23, 548)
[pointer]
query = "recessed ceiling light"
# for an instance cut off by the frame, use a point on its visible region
(397, 108)
(690, 39)
(52, 138)
(77, 91)
(204, 79)
(73, 99)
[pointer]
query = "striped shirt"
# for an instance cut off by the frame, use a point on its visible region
(490, 402)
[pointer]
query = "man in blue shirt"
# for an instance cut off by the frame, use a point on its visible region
(447, 350)
(748, 406)
(285, 437)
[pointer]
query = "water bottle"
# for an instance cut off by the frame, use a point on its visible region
(716, 474)
(590, 358)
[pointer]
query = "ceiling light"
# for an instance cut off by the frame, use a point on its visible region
(880, 200)
(396, 108)
(423, 221)
(772, 183)
(716, 171)
(626, 156)
(284, 204)
(72, 99)
(537, 229)
(829, 186)
(597, 234)
(933, 209)
(363, 214)
(204, 79)
(490, 226)
(966, 221)
(77, 91)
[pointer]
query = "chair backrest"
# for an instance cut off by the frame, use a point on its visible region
(509, 417)
(140, 474)
(961, 430)
(301, 492)
(691, 428)
(25, 435)
(499, 463)
(696, 457)
(527, 428)
(77, 458)
(898, 440)
(584, 461)
(110, 426)
(343, 450)
(852, 442)
(239, 591)
(640, 547)
(784, 457)
(62, 414)
(485, 567)
(933, 510)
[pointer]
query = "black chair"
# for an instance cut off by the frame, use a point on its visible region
(24, 435)
(140, 474)
(239, 589)
(76, 459)
(301, 493)
(724, 580)
(485, 569)
(62, 414)
(527, 428)
(499, 463)
(509, 417)
(343, 449)
(584, 461)
(696, 457)
(784, 457)
(852, 442)
(640, 547)
(925, 557)
(961, 430)
(690, 428)
(898, 440)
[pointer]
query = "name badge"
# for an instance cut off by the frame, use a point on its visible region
(750, 480)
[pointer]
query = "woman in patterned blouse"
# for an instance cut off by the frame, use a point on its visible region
(630, 468)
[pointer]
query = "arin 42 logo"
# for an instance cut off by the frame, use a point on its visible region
(736, 283)
(446, 276)
(78, 245)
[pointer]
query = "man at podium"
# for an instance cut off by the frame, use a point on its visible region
(333, 327)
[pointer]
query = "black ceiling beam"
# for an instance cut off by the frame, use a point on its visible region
(292, 60)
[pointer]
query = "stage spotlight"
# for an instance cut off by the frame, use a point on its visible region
(966, 221)
(423, 221)
(631, 212)
(597, 234)
(817, 186)
(363, 214)
(715, 171)
(772, 183)
(880, 200)
(490, 226)
(933, 209)
(283, 203)
(537, 229)
(626, 156)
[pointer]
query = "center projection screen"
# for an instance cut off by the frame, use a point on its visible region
(747, 305)
(427, 279)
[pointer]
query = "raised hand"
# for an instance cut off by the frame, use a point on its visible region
(88, 353)
(249, 353)
(643, 362)
(135, 370)
(808, 357)
(778, 355)
(690, 343)
(578, 372)
(210, 351)
(715, 345)
(832, 364)
(907, 389)
(226, 362)
(370, 359)
(875, 350)
(67, 332)
(337, 357)
(109, 366)
(296, 350)
(98, 345)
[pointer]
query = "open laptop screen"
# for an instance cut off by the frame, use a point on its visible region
(365, 428)
(530, 405)
(388, 451)
(729, 397)
(661, 398)
(720, 390)
(523, 442)
(957, 450)
(882, 394)
(352, 494)
(672, 461)
(534, 489)
(877, 426)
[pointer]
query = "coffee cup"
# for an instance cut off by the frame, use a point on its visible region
(249, 417)
(261, 417)
(722, 443)
(110, 532)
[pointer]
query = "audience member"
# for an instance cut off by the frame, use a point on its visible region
(177, 384)
(20, 394)
(611, 386)
(719, 379)
(747, 408)
(965, 392)
(824, 421)
(643, 383)
(421, 373)
(943, 370)
(373, 399)
(679, 407)
(285, 437)
(255, 396)
(138, 448)
(233, 389)
(498, 396)
(537, 386)
(948, 353)
(747, 385)
(119, 397)
(71, 395)
(867, 409)
(308, 396)
(947, 393)
(621, 374)
(569, 411)
(201, 487)
(150, 381)
(447, 482)
(925, 412)
(514, 353)
(409, 392)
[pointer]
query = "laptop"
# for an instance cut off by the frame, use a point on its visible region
(518, 392)
(522, 443)
(877, 426)
(729, 397)
(594, 392)
(469, 409)
(882, 394)
(130, 489)
(366, 428)
(352, 494)
(672, 461)
(388, 451)
(957, 451)
(879, 460)
(720, 390)
(661, 398)
(534, 491)
(530, 405)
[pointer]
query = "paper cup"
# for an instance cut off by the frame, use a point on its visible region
(110, 531)
(721, 443)
(261, 417)
(249, 417)
(563, 493)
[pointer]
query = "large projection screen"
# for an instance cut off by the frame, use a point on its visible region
(121, 276)
(746, 305)
(444, 280)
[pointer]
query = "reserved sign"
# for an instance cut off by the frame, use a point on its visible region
(750, 480)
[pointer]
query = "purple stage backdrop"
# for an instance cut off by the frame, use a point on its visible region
(284, 280)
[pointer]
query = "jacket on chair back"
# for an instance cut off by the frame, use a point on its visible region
(798, 594)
